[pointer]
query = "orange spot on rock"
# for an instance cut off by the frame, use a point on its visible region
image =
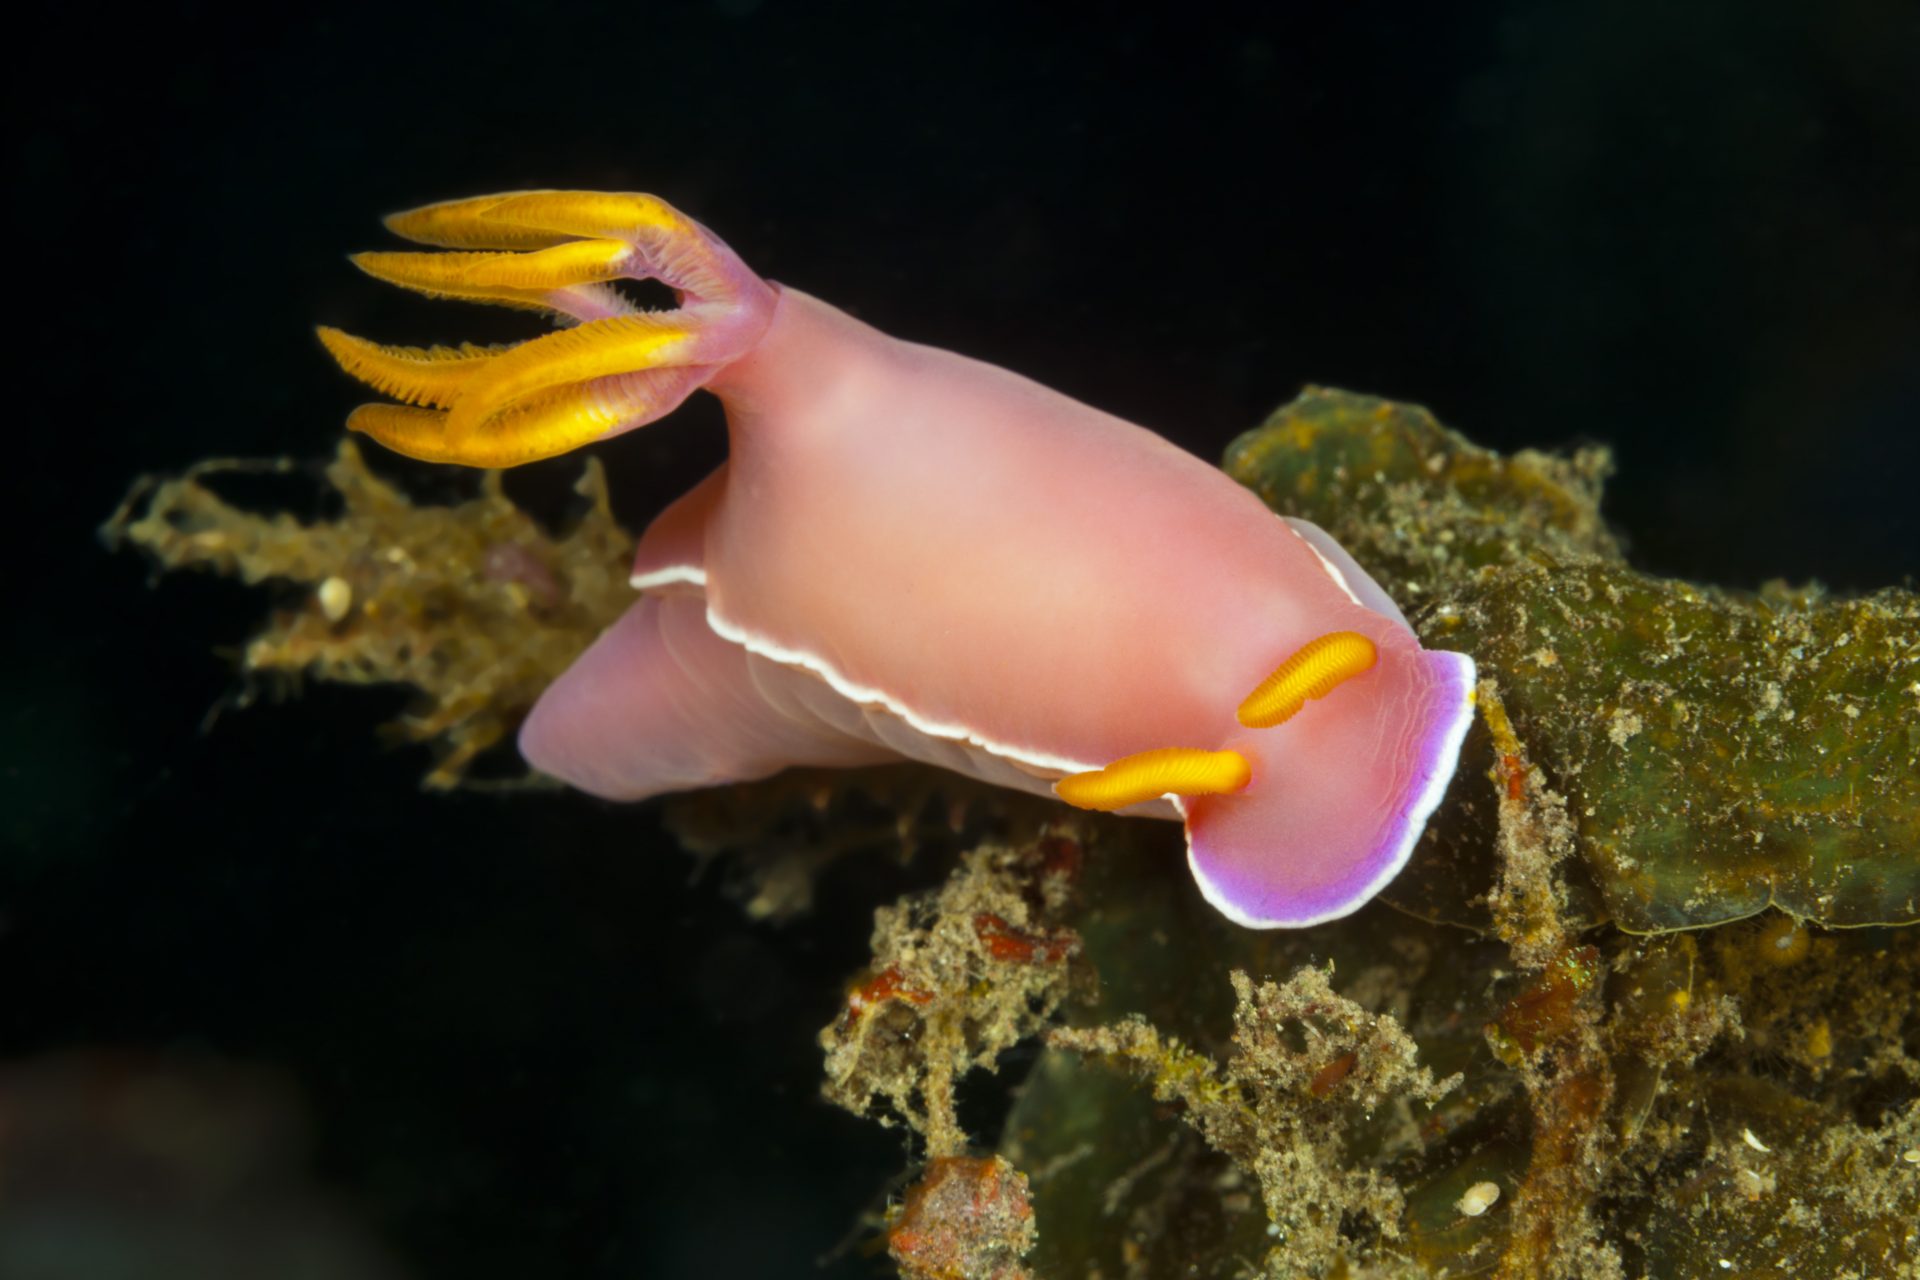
(1332, 1074)
(1004, 942)
(1544, 1012)
(1516, 775)
(967, 1217)
(887, 985)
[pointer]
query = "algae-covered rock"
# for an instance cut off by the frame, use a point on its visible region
(1594, 1125)
(1782, 1185)
(967, 1217)
(1313, 1101)
(1718, 751)
(1297, 1141)
(1650, 753)
(959, 976)
(1570, 1086)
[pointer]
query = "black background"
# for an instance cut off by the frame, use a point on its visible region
(528, 1046)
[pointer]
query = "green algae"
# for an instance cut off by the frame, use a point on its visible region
(1718, 751)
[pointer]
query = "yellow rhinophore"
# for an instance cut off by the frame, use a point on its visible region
(1148, 775)
(1313, 672)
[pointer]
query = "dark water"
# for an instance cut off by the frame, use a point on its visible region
(523, 1044)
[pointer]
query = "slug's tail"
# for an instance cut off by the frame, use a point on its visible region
(613, 367)
(1339, 797)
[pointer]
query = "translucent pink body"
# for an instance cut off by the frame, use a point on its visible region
(913, 554)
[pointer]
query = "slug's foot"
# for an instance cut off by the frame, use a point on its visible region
(615, 366)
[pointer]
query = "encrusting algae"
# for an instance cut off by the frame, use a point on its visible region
(959, 976)
(1650, 1013)
(474, 606)
(1718, 751)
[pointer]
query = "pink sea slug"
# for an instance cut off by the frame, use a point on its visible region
(909, 553)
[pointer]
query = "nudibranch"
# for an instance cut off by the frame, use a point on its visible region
(909, 553)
